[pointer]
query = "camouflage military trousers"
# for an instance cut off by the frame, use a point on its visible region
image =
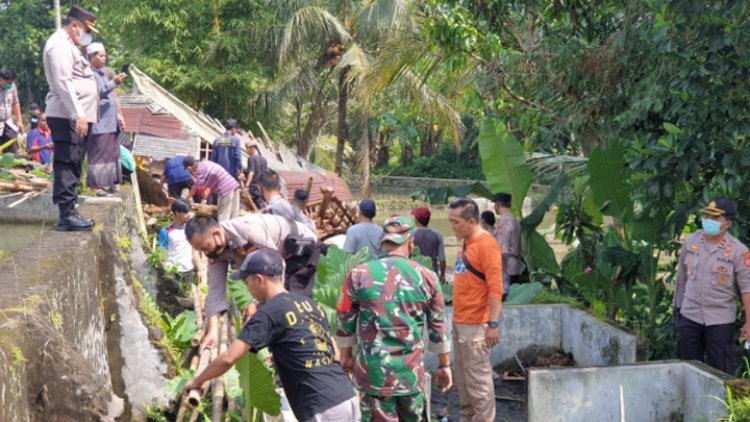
(409, 408)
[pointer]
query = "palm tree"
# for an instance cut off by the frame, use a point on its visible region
(343, 39)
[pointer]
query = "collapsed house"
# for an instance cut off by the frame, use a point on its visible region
(159, 126)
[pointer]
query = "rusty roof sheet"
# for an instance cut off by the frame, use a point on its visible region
(142, 120)
(298, 180)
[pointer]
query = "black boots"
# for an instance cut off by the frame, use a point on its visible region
(71, 221)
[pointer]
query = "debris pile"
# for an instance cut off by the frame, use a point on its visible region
(21, 179)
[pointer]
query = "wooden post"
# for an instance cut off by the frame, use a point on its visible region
(308, 186)
(265, 135)
(327, 194)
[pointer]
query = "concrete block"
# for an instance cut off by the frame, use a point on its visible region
(653, 391)
(592, 342)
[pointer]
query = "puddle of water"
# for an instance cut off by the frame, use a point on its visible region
(15, 236)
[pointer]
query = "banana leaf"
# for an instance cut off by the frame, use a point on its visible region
(608, 178)
(258, 387)
(504, 163)
(522, 294)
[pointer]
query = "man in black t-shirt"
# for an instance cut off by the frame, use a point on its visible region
(256, 165)
(297, 332)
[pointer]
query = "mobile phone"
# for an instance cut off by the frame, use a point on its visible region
(125, 68)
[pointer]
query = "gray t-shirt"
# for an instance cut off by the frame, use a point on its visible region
(364, 234)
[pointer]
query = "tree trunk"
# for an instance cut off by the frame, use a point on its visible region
(343, 130)
(298, 122)
(305, 144)
(362, 151)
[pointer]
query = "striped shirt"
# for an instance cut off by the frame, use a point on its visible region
(214, 177)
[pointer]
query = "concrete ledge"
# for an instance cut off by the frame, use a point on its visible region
(653, 391)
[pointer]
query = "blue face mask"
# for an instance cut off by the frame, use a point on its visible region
(711, 227)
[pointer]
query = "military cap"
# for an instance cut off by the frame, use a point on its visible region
(397, 229)
(263, 261)
(720, 206)
(80, 14)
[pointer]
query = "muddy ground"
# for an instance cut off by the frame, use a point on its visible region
(510, 395)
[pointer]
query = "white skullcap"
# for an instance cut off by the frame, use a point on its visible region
(94, 48)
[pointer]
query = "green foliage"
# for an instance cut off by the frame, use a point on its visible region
(445, 164)
(503, 162)
(237, 291)
(609, 181)
(182, 328)
(17, 357)
(333, 268)
(258, 386)
(522, 294)
(737, 406)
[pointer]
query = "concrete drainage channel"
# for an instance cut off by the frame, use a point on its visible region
(73, 344)
(604, 358)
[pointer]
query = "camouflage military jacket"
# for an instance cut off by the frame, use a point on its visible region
(390, 300)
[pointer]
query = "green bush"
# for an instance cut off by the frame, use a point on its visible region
(446, 164)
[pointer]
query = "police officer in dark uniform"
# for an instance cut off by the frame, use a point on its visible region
(713, 267)
(72, 106)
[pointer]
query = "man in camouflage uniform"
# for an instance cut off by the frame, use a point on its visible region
(389, 300)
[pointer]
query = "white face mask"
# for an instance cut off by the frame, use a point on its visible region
(83, 38)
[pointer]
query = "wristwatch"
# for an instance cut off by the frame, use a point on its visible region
(493, 323)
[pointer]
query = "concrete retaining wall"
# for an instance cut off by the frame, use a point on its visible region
(71, 337)
(654, 391)
(592, 342)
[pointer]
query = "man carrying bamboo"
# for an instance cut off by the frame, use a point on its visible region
(298, 334)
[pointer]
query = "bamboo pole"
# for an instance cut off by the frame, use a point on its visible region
(198, 337)
(231, 334)
(10, 195)
(194, 396)
(17, 186)
(184, 404)
(308, 185)
(218, 383)
(197, 304)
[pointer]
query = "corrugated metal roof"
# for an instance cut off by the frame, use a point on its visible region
(298, 180)
(142, 120)
(150, 94)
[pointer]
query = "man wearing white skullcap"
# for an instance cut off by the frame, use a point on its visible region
(104, 169)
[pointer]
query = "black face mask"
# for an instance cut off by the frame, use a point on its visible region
(217, 252)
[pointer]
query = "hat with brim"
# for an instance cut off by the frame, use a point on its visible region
(397, 230)
(718, 207)
(262, 261)
(80, 14)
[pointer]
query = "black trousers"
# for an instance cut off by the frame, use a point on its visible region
(175, 189)
(299, 276)
(69, 154)
(256, 196)
(715, 343)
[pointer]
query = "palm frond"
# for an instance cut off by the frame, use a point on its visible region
(549, 166)
(355, 58)
(310, 28)
(380, 18)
